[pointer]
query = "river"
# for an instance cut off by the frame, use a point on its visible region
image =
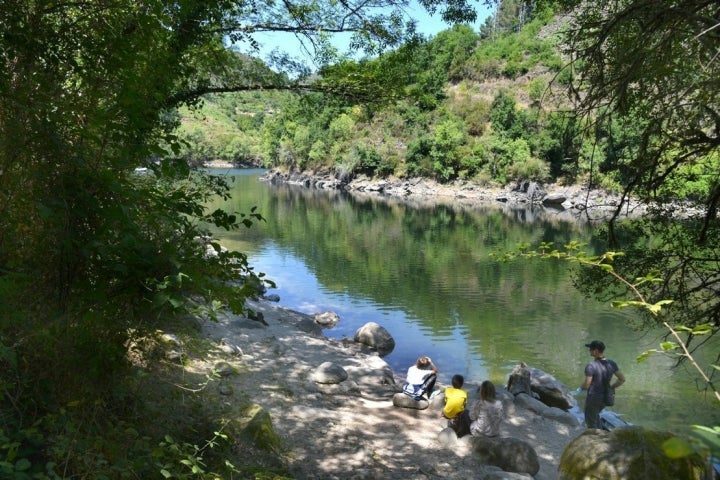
(427, 274)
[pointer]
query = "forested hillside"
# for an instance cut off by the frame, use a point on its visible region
(491, 106)
(463, 104)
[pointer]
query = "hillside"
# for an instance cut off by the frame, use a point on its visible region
(472, 105)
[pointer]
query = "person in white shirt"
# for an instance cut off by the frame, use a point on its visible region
(420, 378)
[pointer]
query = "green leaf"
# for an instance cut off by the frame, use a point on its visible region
(645, 355)
(709, 437)
(704, 329)
(22, 464)
(676, 447)
(165, 473)
(668, 346)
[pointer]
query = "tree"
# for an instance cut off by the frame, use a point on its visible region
(654, 66)
(92, 254)
(658, 62)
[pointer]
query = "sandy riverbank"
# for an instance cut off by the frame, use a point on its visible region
(351, 430)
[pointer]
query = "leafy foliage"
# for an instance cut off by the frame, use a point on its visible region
(635, 293)
(95, 255)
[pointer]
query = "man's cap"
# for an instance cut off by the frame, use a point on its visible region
(596, 345)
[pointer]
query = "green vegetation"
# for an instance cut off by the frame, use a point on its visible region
(96, 258)
(431, 117)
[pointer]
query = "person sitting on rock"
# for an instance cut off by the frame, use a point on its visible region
(454, 409)
(420, 379)
(486, 413)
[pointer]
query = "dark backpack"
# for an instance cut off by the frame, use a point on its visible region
(609, 392)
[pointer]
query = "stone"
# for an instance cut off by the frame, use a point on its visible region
(497, 474)
(255, 424)
(326, 319)
(257, 316)
(561, 416)
(550, 391)
(530, 403)
(346, 388)
(225, 389)
(375, 336)
(329, 372)
(447, 437)
(510, 454)
(224, 369)
(229, 347)
(404, 401)
(554, 199)
(625, 453)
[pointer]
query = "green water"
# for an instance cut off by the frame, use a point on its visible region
(427, 275)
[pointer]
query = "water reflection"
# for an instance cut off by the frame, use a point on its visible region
(424, 271)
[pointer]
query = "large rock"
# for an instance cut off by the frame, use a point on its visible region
(531, 403)
(551, 391)
(555, 414)
(329, 372)
(625, 453)
(404, 401)
(541, 385)
(254, 423)
(554, 199)
(494, 473)
(326, 319)
(375, 336)
(561, 416)
(510, 454)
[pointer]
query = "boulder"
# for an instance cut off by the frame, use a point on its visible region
(224, 369)
(554, 199)
(530, 403)
(346, 388)
(447, 437)
(326, 319)
(510, 454)
(273, 297)
(375, 336)
(254, 424)
(404, 401)
(625, 453)
(549, 390)
(328, 372)
(561, 416)
(494, 473)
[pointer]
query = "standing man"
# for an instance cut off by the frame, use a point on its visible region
(598, 378)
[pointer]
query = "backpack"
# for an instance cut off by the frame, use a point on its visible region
(414, 391)
(609, 393)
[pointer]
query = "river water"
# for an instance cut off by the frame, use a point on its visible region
(428, 275)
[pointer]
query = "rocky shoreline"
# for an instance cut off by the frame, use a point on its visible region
(574, 202)
(564, 202)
